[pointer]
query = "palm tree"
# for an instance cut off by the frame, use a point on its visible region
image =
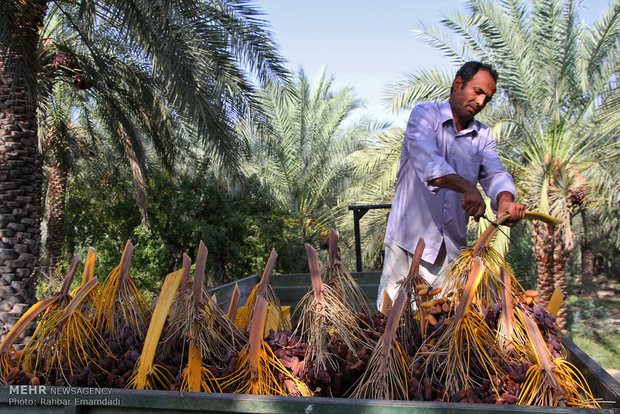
(301, 153)
(555, 112)
(149, 66)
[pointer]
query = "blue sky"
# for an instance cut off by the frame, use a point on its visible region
(367, 44)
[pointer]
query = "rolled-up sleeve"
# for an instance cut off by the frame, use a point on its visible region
(421, 144)
(494, 178)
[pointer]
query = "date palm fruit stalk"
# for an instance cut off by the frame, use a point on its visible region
(7, 351)
(147, 374)
(278, 319)
(490, 285)
(386, 375)
(322, 314)
(466, 353)
(413, 321)
(65, 341)
(552, 381)
(258, 369)
(337, 277)
(122, 303)
(198, 323)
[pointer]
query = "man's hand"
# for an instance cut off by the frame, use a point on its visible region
(473, 203)
(506, 204)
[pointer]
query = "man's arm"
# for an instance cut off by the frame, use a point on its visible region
(506, 204)
(473, 203)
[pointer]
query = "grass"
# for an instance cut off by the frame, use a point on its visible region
(590, 328)
(604, 350)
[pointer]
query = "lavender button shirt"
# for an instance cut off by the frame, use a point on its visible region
(431, 149)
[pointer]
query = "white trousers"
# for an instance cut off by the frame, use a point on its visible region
(396, 266)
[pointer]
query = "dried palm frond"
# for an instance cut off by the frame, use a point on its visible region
(413, 316)
(234, 303)
(122, 304)
(264, 289)
(466, 353)
(386, 375)
(322, 314)
(89, 270)
(147, 374)
(552, 381)
(92, 302)
(258, 369)
(511, 335)
(336, 276)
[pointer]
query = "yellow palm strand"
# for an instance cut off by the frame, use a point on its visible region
(6, 363)
(491, 282)
(146, 374)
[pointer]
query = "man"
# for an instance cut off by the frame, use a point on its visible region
(445, 153)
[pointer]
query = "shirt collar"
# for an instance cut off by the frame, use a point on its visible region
(446, 115)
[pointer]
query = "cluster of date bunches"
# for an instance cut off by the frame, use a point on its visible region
(113, 369)
(333, 380)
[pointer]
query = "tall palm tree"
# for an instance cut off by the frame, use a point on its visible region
(555, 111)
(148, 65)
(301, 153)
(20, 163)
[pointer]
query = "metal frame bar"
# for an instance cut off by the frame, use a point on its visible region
(359, 212)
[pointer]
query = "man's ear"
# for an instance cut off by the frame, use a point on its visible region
(457, 82)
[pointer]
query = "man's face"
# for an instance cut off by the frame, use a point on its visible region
(469, 99)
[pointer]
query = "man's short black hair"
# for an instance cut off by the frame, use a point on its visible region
(469, 69)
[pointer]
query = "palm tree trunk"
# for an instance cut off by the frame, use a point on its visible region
(551, 254)
(586, 277)
(137, 176)
(55, 200)
(20, 180)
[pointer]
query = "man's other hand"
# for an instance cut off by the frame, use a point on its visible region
(506, 204)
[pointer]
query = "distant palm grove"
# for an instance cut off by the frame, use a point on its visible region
(169, 122)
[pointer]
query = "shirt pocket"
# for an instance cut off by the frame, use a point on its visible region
(467, 164)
